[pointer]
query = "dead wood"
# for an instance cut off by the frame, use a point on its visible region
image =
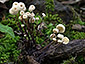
(61, 51)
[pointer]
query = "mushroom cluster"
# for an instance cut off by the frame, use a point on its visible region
(21, 9)
(60, 38)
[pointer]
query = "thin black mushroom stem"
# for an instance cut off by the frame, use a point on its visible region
(19, 26)
(44, 41)
(26, 32)
(30, 29)
(47, 46)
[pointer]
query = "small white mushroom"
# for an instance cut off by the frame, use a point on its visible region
(15, 8)
(54, 39)
(12, 12)
(65, 40)
(24, 9)
(55, 30)
(28, 14)
(25, 35)
(37, 18)
(22, 25)
(25, 16)
(43, 14)
(60, 36)
(31, 8)
(21, 5)
(32, 15)
(32, 20)
(20, 17)
(59, 41)
(15, 4)
(61, 28)
(52, 35)
(22, 12)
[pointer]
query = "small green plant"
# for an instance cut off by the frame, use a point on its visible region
(8, 49)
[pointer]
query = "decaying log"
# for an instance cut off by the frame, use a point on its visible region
(62, 51)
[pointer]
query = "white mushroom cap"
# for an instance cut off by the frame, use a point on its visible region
(22, 12)
(21, 5)
(52, 35)
(22, 25)
(15, 4)
(60, 41)
(65, 40)
(12, 12)
(43, 14)
(61, 28)
(15, 8)
(31, 8)
(33, 20)
(60, 36)
(28, 14)
(20, 17)
(25, 35)
(25, 16)
(32, 14)
(37, 18)
(55, 30)
(54, 39)
(24, 9)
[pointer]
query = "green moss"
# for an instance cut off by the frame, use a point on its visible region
(72, 34)
(8, 49)
(11, 21)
